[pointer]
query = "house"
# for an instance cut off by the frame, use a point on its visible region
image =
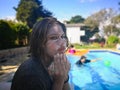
(74, 33)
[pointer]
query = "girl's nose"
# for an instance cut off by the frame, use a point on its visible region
(62, 41)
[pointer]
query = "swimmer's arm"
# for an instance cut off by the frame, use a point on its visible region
(94, 60)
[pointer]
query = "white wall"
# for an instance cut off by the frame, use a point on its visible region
(73, 34)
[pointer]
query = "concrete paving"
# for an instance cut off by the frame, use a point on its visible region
(5, 85)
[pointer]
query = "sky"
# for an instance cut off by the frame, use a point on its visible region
(62, 9)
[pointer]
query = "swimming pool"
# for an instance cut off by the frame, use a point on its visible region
(101, 75)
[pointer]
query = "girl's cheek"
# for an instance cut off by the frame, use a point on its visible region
(52, 49)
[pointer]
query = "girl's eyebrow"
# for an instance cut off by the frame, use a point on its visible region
(52, 34)
(56, 34)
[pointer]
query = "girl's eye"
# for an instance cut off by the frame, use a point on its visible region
(57, 37)
(54, 37)
(63, 37)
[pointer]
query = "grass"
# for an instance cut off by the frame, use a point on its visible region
(93, 46)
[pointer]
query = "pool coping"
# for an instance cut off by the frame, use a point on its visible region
(105, 50)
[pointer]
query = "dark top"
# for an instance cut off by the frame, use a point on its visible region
(31, 75)
(80, 63)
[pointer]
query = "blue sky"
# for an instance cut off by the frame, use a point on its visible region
(62, 9)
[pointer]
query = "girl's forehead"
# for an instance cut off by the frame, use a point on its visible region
(55, 29)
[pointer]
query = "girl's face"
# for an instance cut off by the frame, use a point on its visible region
(56, 41)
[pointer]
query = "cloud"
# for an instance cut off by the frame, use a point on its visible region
(9, 18)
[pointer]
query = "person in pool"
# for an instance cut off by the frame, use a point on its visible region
(71, 49)
(84, 60)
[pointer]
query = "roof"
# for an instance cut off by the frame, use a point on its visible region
(75, 25)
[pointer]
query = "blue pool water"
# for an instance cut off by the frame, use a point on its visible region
(101, 75)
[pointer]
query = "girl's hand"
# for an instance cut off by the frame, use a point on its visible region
(59, 68)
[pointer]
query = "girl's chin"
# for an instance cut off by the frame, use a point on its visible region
(62, 52)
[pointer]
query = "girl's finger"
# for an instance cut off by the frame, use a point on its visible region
(57, 63)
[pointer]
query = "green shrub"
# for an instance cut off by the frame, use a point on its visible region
(7, 36)
(112, 40)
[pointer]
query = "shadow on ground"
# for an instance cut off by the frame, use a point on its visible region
(8, 68)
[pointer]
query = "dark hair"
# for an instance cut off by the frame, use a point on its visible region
(82, 57)
(38, 36)
(72, 46)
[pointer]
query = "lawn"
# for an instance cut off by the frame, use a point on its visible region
(94, 46)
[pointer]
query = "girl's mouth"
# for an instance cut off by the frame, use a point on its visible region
(61, 50)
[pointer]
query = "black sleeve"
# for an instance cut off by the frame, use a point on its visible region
(77, 62)
(87, 61)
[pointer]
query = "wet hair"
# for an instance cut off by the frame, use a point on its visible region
(82, 57)
(39, 36)
(72, 46)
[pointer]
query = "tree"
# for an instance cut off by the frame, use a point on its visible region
(28, 11)
(111, 30)
(89, 32)
(76, 19)
(116, 19)
(91, 23)
(112, 40)
(7, 35)
(100, 19)
(102, 15)
(23, 32)
(91, 28)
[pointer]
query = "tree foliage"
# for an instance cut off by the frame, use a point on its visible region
(23, 32)
(89, 32)
(7, 35)
(116, 19)
(76, 19)
(111, 30)
(102, 15)
(13, 34)
(22, 29)
(99, 17)
(93, 24)
(112, 40)
(28, 11)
